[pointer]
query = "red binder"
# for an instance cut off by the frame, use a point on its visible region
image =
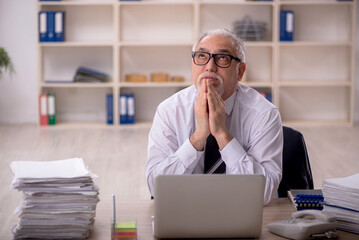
(43, 110)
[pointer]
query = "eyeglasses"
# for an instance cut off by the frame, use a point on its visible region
(221, 60)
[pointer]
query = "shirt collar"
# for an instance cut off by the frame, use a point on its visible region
(230, 102)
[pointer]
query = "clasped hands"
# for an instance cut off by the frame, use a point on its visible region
(210, 114)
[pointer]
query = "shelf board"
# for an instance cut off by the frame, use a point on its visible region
(77, 85)
(136, 125)
(314, 83)
(311, 123)
(75, 125)
(314, 43)
(188, 83)
(258, 44)
(237, 2)
(74, 3)
(76, 44)
(155, 43)
(156, 2)
(159, 84)
(257, 84)
(315, 2)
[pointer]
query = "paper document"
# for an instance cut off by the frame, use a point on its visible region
(59, 199)
(69, 168)
(341, 201)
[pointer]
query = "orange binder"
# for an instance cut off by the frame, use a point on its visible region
(43, 110)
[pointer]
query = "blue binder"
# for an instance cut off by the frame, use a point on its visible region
(59, 26)
(127, 108)
(123, 108)
(289, 25)
(51, 26)
(43, 26)
(109, 105)
(130, 108)
(286, 25)
(282, 34)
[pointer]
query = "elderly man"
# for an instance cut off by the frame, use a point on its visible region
(217, 125)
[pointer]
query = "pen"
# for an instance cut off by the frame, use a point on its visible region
(113, 220)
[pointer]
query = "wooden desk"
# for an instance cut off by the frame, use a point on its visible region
(278, 209)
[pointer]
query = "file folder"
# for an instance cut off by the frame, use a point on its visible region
(289, 27)
(123, 109)
(127, 108)
(130, 108)
(282, 34)
(42, 26)
(43, 110)
(109, 105)
(59, 26)
(51, 108)
(84, 74)
(286, 26)
(50, 26)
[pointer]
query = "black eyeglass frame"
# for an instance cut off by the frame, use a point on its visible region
(213, 55)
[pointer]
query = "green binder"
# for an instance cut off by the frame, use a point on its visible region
(51, 104)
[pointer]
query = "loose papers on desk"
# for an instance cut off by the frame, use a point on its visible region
(59, 199)
(341, 200)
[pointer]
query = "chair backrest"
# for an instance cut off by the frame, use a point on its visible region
(296, 173)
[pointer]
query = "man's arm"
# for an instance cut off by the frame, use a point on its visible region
(263, 155)
(169, 152)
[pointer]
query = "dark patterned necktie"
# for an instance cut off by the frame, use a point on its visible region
(212, 158)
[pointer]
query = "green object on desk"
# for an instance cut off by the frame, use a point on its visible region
(126, 225)
(125, 230)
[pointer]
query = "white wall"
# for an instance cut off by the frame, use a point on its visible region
(18, 95)
(18, 34)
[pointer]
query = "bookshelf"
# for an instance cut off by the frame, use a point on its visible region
(311, 79)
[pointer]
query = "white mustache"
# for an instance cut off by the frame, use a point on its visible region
(209, 75)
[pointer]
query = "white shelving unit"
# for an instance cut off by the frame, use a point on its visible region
(311, 79)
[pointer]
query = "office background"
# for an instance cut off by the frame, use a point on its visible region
(116, 155)
(18, 34)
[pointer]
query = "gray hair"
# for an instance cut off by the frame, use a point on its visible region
(236, 41)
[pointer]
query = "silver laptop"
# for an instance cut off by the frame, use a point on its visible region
(208, 206)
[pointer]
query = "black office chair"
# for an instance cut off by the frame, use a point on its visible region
(296, 172)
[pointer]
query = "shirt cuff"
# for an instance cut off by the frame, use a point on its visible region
(233, 148)
(188, 155)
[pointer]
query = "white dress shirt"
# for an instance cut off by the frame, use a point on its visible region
(256, 147)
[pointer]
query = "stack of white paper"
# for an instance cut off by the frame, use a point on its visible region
(59, 199)
(341, 197)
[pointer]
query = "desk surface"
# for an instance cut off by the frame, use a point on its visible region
(142, 210)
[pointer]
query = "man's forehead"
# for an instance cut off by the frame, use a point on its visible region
(220, 50)
(216, 43)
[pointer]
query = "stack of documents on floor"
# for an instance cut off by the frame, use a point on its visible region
(341, 199)
(59, 199)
